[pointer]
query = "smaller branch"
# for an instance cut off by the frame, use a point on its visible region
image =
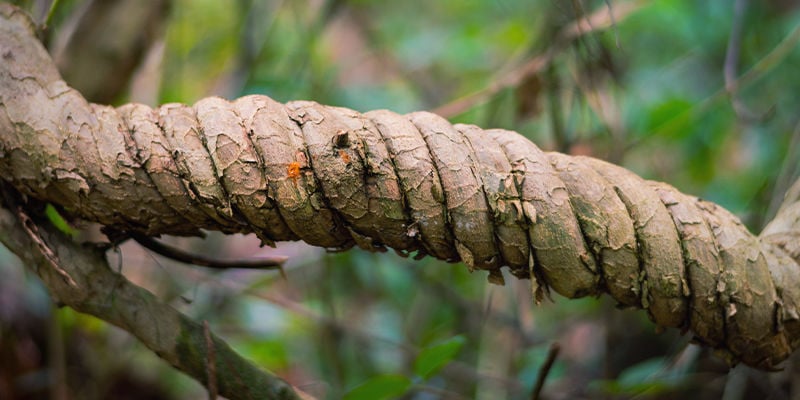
(613, 23)
(99, 291)
(580, 13)
(211, 363)
(33, 233)
(49, 16)
(562, 140)
(597, 21)
(730, 70)
(789, 173)
(274, 262)
(552, 354)
(734, 44)
(772, 59)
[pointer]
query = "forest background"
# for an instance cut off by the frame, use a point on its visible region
(701, 95)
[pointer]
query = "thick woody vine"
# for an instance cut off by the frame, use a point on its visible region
(415, 183)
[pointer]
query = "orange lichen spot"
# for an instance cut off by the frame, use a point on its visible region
(344, 156)
(293, 170)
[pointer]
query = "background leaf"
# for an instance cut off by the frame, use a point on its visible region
(380, 387)
(432, 359)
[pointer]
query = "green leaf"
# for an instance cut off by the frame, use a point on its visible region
(380, 387)
(433, 358)
(58, 221)
(671, 118)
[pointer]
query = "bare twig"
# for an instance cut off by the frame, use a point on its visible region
(757, 71)
(273, 262)
(613, 23)
(734, 44)
(789, 172)
(49, 16)
(259, 18)
(602, 103)
(562, 140)
(773, 58)
(598, 20)
(33, 232)
(552, 354)
(730, 70)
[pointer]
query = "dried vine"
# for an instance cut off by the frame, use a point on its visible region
(336, 178)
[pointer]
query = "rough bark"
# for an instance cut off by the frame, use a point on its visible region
(93, 288)
(336, 178)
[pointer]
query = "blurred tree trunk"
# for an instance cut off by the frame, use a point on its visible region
(105, 42)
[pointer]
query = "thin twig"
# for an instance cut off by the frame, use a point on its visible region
(734, 44)
(273, 262)
(730, 70)
(9, 196)
(49, 16)
(772, 59)
(552, 354)
(33, 232)
(789, 172)
(580, 14)
(596, 21)
(613, 23)
(562, 140)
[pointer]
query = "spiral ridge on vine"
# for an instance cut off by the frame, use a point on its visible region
(337, 178)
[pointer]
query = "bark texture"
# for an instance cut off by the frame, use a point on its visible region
(336, 178)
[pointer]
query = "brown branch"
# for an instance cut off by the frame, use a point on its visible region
(769, 61)
(552, 354)
(789, 172)
(732, 64)
(33, 233)
(273, 262)
(599, 20)
(99, 291)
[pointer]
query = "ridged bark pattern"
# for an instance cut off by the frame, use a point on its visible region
(335, 178)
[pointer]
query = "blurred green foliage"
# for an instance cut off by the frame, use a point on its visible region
(431, 359)
(647, 92)
(379, 388)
